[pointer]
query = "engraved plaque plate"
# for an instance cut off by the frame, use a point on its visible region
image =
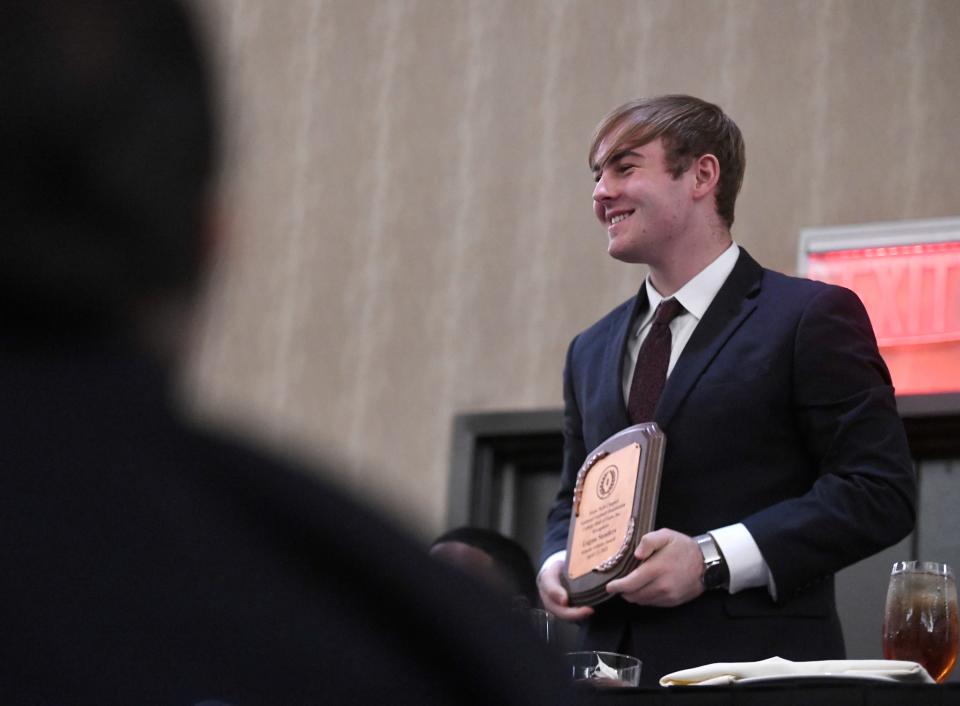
(604, 512)
(614, 504)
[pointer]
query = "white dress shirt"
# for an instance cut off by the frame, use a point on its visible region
(744, 560)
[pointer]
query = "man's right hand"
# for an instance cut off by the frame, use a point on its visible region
(554, 595)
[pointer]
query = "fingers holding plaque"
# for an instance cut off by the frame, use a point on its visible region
(614, 504)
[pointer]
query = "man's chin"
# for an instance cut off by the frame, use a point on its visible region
(627, 255)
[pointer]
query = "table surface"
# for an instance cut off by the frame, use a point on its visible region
(787, 693)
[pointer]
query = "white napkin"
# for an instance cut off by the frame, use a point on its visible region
(730, 672)
(603, 671)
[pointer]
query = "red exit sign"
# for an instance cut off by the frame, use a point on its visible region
(908, 276)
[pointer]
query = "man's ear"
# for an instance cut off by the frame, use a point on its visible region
(706, 173)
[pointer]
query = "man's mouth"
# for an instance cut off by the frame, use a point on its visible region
(619, 217)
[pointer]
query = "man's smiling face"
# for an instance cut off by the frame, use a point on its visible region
(642, 205)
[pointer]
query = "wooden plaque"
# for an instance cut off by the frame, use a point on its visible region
(614, 504)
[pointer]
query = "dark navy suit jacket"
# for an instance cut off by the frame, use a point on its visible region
(779, 414)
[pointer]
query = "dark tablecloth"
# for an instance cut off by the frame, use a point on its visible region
(798, 693)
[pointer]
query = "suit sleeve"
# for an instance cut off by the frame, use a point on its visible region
(863, 498)
(574, 453)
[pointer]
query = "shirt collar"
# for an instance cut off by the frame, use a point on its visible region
(697, 294)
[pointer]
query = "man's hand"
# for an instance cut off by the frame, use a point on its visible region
(670, 574)
(554, 595)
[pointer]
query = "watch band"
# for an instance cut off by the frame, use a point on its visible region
(715, 572)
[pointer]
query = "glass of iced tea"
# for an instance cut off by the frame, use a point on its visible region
(920, 621)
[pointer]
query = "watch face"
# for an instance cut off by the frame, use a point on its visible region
(713, 575)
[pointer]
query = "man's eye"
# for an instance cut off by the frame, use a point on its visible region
(624, 168)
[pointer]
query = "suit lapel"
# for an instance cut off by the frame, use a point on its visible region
(735, 301)
(612, 400)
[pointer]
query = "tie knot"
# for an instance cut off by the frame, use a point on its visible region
(668, 310)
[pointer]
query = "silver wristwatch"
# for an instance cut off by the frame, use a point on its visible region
(715, 573)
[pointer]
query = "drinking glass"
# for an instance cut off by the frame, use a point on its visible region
(920, 620)
(603, 669)
(544, 625)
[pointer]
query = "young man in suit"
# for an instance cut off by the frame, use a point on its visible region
(785, 460)
(146, 559)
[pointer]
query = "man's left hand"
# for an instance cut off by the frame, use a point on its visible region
(670, 573)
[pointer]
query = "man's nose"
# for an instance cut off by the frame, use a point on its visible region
(603, 190)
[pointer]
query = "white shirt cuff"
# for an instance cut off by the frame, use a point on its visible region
(746, 564)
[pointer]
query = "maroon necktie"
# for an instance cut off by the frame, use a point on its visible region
(650, 373)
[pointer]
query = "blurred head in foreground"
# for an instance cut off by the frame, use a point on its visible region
(107, 153)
